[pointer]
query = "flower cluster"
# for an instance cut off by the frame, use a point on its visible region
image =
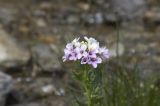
(88, 51)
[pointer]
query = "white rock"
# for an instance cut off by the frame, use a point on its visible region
(11, 53)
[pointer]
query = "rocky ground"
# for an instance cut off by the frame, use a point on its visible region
(33, 34)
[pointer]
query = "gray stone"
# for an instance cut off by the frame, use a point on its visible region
(111, 18)
(11, 54)
(7, 15)
(128, 9)
(5, 87)
(95, 18)
(152, 18)
(29, 104)
(72, 19)
(46, 58)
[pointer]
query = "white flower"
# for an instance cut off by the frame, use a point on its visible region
(93, 45)
(76, 42)
(90, 40)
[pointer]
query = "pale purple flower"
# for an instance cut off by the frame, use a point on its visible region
(85, 60)
(81, 51)
(95, 61)
(104, 53)
(92, 54)
(73, 56)
(69, 53)
(69, 47)
(88, 52)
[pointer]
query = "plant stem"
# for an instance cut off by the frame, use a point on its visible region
(87, 88)
(89, 98)
(117, 42)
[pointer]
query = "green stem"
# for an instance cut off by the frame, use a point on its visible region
(93, 85)
(89, 98)
(87, 88)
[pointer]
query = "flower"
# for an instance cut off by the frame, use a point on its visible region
(92, 54)
(93, 45)
(104, 53)
(81, 51)
(69, 46)
(85, 60)
(69, 56)
(90, 40)
(69, 53)
(75, 42)
(88, 52)
(95, 61)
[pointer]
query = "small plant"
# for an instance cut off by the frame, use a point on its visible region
(126, 88)
(88, 56)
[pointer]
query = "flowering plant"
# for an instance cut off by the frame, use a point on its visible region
(88, 52)
(88, 55)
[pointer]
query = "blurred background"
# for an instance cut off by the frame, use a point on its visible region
(33, 34)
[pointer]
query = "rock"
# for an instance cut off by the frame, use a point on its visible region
(154, 2)
(72, 19)
(40, 23)
(39, 13)
(46, 57)
(156, 59)
(84, 6)
(152, 18)
(113, 50)
(23, 29)
(7, 15)
(141, 48)
(29, 104)
(40, 103)
(42, 87)
(15, 97)
(100, 2)
(128, 9)
(96, 18)
(48, 89)
(47, 38)
(111, 18)
(11, 54)
(5, 87)
(46, 6)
